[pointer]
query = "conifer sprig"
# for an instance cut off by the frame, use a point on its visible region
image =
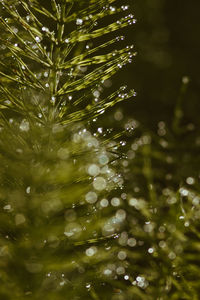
(57, 51)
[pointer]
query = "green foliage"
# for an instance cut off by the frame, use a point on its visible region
(58, 235)
(47, 53)
(162, 179)
(86, 213)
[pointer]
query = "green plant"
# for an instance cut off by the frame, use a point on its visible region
(58, 235)
(86, 213)
(162, 204)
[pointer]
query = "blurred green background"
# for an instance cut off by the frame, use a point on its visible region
(166, 37)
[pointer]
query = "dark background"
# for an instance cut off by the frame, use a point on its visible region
(167, 39)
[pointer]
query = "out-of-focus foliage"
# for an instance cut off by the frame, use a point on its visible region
(162, 164)
(56, 227)
(162, 186)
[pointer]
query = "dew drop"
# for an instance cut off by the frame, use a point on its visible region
(107, 272)
(115, 201)
(120, 270)
(91, 197)
(24, 126)
(91, 251)
(93, 170)
(45, 29)
(53, 99)
(185, 80)
(172, 255)
(122, 255)
(190, 180)
(100, 130)
(96, 94)
(121, 215)
(88, 285)
(103, 159)
(46, 74)
(104, 203)
(37, 39)
(150, 250)
(132, 242)
(73, 230)
(28, 190)
(79, 21)
(99, 183)
(118, 115)
(112, 8)
(7, 207)
(124, 7)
